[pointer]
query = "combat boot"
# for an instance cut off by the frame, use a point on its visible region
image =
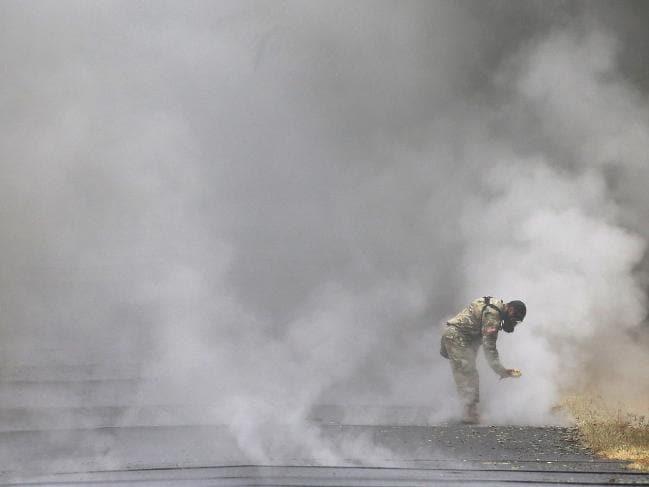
(471, 414)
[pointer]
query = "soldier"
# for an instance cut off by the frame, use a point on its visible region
(478, 324)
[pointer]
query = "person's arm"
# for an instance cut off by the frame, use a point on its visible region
(490, 324)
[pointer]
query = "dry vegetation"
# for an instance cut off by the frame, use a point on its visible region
(611, 432)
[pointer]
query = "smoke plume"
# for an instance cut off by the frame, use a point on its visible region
(274, 205)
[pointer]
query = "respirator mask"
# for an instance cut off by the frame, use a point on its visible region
(509, 324)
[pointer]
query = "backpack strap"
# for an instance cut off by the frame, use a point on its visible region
(487, 304)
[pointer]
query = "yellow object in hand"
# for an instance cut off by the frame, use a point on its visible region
(515, 373)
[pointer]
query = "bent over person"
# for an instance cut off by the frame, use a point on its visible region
(478, 324)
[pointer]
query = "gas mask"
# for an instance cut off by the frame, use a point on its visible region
(509, 324)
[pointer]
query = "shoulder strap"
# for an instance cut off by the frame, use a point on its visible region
(487, 304)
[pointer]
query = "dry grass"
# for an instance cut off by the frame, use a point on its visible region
(611, 432)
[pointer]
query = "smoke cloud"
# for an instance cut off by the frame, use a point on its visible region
(274, 205)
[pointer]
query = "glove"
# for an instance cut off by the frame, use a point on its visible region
(516, 373)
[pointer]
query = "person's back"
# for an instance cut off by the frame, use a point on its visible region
(469, 321)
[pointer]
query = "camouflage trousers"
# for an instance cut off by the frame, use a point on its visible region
(461, 352)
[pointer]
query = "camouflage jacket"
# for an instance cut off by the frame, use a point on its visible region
(480, 321)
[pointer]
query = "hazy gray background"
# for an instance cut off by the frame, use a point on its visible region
(275, 204)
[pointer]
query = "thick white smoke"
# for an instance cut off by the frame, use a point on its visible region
(274, 205)
(548, 228)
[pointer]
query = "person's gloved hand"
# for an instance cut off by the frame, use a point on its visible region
(516, 373)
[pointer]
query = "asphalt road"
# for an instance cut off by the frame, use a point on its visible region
(412, 455)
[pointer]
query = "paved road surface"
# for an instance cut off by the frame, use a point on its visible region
(65, 420)
(203, 455)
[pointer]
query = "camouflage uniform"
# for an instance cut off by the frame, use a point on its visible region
(477, 324)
